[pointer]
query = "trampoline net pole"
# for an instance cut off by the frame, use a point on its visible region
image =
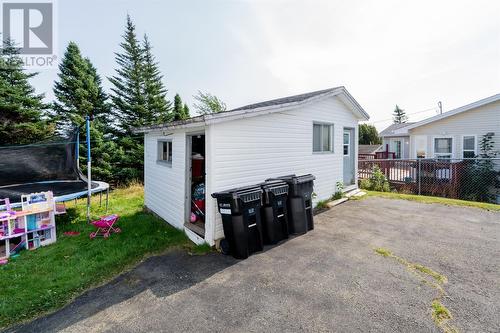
(89, 172)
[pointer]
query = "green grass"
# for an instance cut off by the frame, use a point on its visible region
(439, 311)
(44, 280)
(435, 275)
(383, 252)
(429, 199)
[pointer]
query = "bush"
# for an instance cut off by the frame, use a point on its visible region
(377, 182)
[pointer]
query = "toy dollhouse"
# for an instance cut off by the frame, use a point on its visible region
(29, 228)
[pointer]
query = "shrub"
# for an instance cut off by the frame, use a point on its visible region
(340, 191)
(377, 182)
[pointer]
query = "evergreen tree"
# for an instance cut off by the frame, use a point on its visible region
(138, 99)
(181, 111)
(208, 103)
(399, 116)
(128, 98)
(21, 109)
(154, 90)
(186, 114)
(79, 93)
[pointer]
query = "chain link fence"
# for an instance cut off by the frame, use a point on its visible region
(474, 179)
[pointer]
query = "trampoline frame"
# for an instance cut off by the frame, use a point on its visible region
(102, 186)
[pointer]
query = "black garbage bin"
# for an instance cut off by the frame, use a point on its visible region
(240, 211)
(274, 211)
(300, 210)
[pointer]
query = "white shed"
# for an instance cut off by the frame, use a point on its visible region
(313, 133)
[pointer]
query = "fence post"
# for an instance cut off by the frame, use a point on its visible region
(418, 174)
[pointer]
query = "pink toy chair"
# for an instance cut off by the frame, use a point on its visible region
(105, 226)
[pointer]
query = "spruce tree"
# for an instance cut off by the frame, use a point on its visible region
(22, 111)
(128, 99)
(179, 109)
(186, 114)
(154, 90)
(79, 94)
(399, 116)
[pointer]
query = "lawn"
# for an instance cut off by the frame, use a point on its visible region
(44, 280)
(439, 200)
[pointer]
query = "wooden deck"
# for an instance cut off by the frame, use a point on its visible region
(431, 177)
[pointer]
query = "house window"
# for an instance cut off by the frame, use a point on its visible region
(442, 148)
(469, 146)
(165, 151)
(322, 138)
(346, 143)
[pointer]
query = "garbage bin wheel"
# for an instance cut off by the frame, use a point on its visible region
(224, 246)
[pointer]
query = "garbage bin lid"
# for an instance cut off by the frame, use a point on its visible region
(295, 179)
(239, 192)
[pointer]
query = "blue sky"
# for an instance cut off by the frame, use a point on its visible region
(385, 52)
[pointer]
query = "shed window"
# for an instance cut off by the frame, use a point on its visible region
(442, 148)
(469, 146)
(322, 138)
(165, 151)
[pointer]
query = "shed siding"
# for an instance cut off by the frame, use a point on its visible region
(164, 186)
(247, 151)
(478, 122)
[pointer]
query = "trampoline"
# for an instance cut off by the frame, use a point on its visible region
(48, 166)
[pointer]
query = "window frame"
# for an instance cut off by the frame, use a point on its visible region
(439, 155)
(468, 150)
(348, 144)
(159, 151)
(331, 139)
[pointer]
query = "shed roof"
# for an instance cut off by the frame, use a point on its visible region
(368, 149)
(266, 107)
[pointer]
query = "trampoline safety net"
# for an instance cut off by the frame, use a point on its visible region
(48, 166)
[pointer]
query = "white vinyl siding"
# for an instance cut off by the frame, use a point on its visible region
(477, 122)
(164, 188)
(391, 141)
(248, 151)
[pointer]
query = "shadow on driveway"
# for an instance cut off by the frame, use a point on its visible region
(162, 275)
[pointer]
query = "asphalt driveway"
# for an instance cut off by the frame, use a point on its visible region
(330, 279)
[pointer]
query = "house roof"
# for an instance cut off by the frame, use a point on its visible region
(274, 105)
(468, 107)
(391, 130)
(368, 149)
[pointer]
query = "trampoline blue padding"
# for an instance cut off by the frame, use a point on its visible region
(63, 190)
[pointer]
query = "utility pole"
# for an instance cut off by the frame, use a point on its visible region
(440, 105)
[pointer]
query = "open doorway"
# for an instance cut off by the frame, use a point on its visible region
(195, 184)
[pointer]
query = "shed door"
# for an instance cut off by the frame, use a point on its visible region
(349, 155)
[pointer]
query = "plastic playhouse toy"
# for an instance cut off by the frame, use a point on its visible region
(8, 211)
(105, 226)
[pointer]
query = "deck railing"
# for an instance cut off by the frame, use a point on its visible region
(448, 178)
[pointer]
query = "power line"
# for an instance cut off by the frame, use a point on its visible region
(409, 114)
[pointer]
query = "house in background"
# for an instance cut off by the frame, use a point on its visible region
(314, 133)
(398, 143)
(453, 134)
